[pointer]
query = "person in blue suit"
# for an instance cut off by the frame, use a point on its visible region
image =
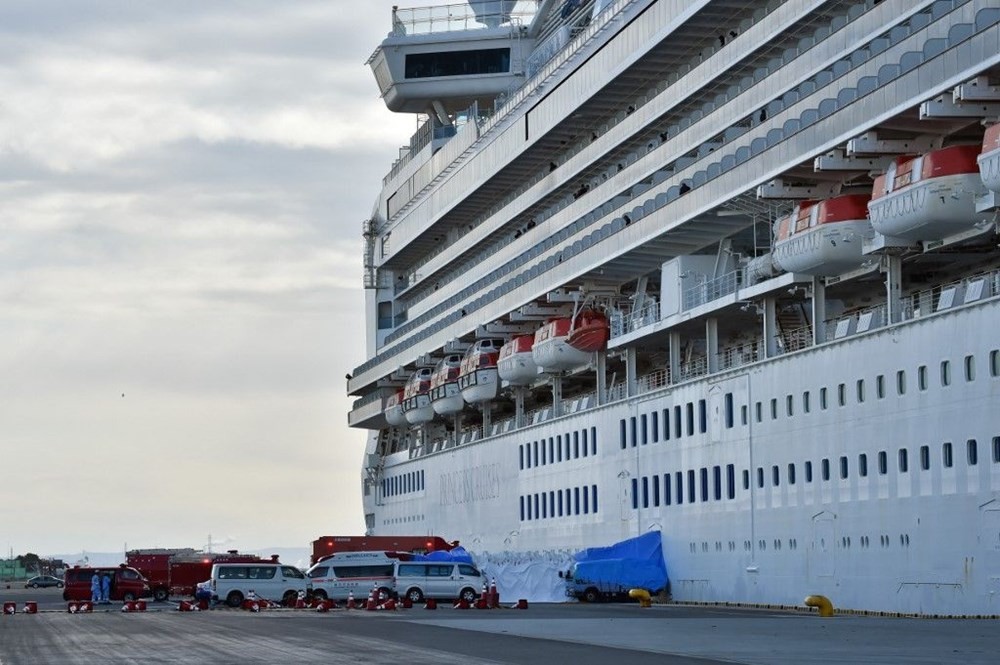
(106, 588)
(95, 587)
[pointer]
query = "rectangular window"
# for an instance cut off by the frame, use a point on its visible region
(743, 414)
(842, 394)
(545, 506)
(642, 429)
(809, 472)
(729, 410)
(621, 433)
(690, 418)
(970, 368)
(946, 456)
(656, 489)
(825, 469)
(576, 500)
(702, 416)
(678, 422)
(522, 508)
(730, 481)
(822, 399)
(559, 447)
(645, 492)
(901, 382)
(759, 411)
(537, 514)
(544, 457)
(717, 482)
(791, 473)
(666, 424)
(775, 476)
(922, 377)
(655, 422)
(760, 476)
(679, 477)
(593, 441)
(996, 450)
(632, 428)
(805, 402)
(559, 494)
(593, 498)
(746, 479)
(635, 494)
(520, 456)
(530, 514)
(668, 497)
(925, 457)
(586, 503)
(863, 465)
(692, 490)
(904, 463)
(843, 467)
(945, 373)
(552, 503)
(534, 445)
(995, 362)
(880, 386)
(774, 408)
(883, 463)
(860, 386)
(789, 409)
(704, 483)
(576, 443)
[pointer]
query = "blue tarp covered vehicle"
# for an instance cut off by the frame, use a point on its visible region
(605, 573)
(454, 555)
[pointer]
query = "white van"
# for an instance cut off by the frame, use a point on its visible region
(233, 582)
(343, 573)
(418, 580)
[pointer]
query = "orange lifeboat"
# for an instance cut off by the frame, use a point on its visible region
(823, 238)
(517, 365)
(929, 197)
(478, 379)
(989, 159)
(417, 407)
(552, 351)
(394, 409)
(590, 331)
(446, 398)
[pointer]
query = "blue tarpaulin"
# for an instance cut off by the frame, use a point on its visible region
(455, 555)
(633, 563)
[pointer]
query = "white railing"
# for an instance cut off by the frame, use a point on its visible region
(712, 289)
(449, 18)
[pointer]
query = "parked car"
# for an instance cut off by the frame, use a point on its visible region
(418, 580)
(40, 581)
(233, 582)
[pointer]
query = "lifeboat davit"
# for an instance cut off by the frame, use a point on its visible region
(989, 159)
(823, 238)
(517, 365)
(590, 331)
(446, 398)
(478, 379)
(552, 351)
(417, 407)
(394, 409)
(929, 197)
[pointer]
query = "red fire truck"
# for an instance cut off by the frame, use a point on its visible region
(176, 572)
(327, 545)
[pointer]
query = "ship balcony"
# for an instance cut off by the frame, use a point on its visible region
(368, 412)
(452, 55)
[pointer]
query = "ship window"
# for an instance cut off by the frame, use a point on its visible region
(970, 368)
(654, 422)
(528, 502)
(760, 476)
(774, 408)
(995, 362)
(788, 405)
(679, 477)
(704, 483)
(925, 457)
(809, 472)
(559, 501)
(904, 464)
(656, 489)
(730, 481)
(861, 390)
(645, 492)
(584, 446)
(805, 402)
(576, 444)
(544, 456)
(717, 482)
(729, 410)
(775, 476)
(457, 63)
(996, 450)
(863, 465)
(576, 500)
(621, 431)
(946, 456)
(842, 394)
(825, 469)
(642, 428)
(746, 479)
(702, 416)
(635, 494)
(593, 441)
(632, 428)
(880, 386)
(690, 418)
(743, 414)
(945, 373)
(666, 424)
(667, 497)
(522, 508)
(822, 398)
(760, 411)
(883, 462)
(593, 498)
(791, 473)
(843, 467)
(559, 447)
(691, 486)
(677, 421)
(586, 503)
(545, 506)
(537, 514)
(535, 447)
(922, 377)
(901, 382)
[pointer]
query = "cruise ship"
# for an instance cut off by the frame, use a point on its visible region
(723, 269)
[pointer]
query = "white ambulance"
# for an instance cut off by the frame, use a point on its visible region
(343, 573)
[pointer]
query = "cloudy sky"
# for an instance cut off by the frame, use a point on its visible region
(182, 186)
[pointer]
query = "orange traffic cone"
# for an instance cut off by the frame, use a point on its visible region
(350, 601)
(494, 594)
(370, 605)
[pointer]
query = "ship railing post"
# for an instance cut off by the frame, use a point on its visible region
(818, 310)
(602, 377)
(770, 327)
(893, 266)
(631, 384)
(712, 344)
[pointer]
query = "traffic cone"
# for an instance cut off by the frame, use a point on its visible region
(407, 603)
(462, 604)
(370, 605)
(522, 604)
(494, 594)
(431, 604)
(10, 608)
(350, 601)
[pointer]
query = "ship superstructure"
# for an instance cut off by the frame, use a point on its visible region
(724, 269)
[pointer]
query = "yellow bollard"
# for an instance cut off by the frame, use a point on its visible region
(642, 596)
(821, 602)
